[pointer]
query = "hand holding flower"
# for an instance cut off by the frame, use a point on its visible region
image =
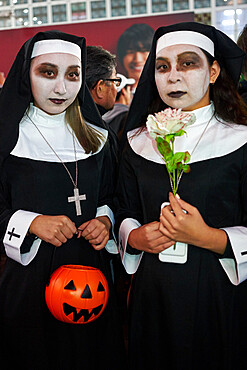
(189, 227)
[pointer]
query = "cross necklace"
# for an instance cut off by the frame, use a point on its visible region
(77, 197)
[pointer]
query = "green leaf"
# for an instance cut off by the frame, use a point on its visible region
(186, 168)
(179, 166)
(186, 157)
(164, 148)
(179, 157)
(171, 166)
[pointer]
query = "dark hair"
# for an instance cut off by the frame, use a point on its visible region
(139, 36)
(242, 43)
(100, 64)
(228, 104)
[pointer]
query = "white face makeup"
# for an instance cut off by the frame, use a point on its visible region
(55, 81)
(182, 77)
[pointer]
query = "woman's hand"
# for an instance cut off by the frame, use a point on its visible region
(149, 238)
(53, 229)
(189, 227)
(96, 231)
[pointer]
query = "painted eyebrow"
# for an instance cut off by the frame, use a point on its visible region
(188, 53)
(55, 66)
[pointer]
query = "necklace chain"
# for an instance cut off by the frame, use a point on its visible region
(74, 182)
(198, 141)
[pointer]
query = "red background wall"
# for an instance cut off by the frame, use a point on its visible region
(104, 33)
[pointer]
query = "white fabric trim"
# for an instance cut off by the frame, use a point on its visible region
(56, 46)
(236, 269)
(218, 140)
(111, 245)
(185, 37)
(131, 262)
(30, 143)
(19, 224)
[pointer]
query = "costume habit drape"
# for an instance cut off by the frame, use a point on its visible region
(30, 335)
(185, 316)
(188, 315)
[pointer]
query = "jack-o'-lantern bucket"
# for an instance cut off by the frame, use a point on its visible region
(77, 294)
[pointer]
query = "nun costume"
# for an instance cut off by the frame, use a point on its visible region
(41, 162)
(187, 307)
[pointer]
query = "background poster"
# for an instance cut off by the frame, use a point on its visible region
(104, 32)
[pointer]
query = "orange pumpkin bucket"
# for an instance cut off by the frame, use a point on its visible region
(77, 294)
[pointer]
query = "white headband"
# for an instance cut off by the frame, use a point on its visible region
(185, 37)
(56, 46)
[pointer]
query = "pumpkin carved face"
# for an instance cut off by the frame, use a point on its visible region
(77, 294)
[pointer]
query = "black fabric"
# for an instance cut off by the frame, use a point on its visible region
(186, 316)
(118, 122)
(226, 51)
(114, 144)
(17, 89)
(29, 332)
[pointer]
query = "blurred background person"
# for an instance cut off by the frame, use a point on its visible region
(133, 48)
(101, 77)
(102, 81)
(242, 43)
(117, 116)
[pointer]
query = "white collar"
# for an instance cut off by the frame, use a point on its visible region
(218, 140)
(31, 144)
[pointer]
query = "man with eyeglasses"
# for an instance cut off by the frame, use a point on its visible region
(101, 77)
(102, 81)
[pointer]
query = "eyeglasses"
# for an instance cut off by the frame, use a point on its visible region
(117, 81)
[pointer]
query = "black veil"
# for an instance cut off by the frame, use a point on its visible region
(16, 93)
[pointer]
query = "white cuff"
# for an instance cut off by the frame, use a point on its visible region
(111, 245)
(130, 261)
(16, 232)
(236, 269)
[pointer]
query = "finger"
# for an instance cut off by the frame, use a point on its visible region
(67, 232)
(176, 207)
(185, 206)
(99, 238)
(166, 228)
(66, 222)
(161, 247)
(94, 229)
(168, 245)
(54, 241)
(159, 241)
(58, 234)
(167, 216)
(88, 229)
(83, 226)
(102, 244)
(92, 234)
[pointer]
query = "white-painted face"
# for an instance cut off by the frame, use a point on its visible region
(182, 76)
(55, 81)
